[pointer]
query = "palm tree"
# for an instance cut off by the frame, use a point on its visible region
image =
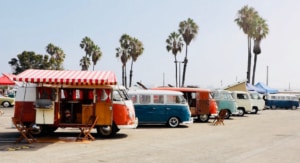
(96, 54)
(174, 44)
(260, 32)
(84, 63)
(86, 44)
(57, 56)
(136, 49)
(246, 21)
(123, 53)
(188, 29)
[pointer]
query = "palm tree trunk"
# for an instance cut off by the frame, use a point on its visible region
(254, 69)
(123, 75)
(184, 67)
(125, 78)
(249, 60)
(130, 76)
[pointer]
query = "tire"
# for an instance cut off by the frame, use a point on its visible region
(173, 122)
(203, 117)
(294, 107)
(273, 107)
(107, 131)
(45, 130)
(227, 115)
(254, 110)
(241, 112)
(5, 104)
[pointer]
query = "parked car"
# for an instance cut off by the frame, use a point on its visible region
(286, 101)
(243, 102)
(7, 101)
(201, 103)
(160, 107)
(225, 102)
(258, 103)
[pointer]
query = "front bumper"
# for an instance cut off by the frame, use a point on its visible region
(190, 121)
(134, 125)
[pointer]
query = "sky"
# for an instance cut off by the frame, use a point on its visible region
(217, 56)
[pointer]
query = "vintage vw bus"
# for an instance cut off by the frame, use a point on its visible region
(160, 107)
(202, 105)
(49, 99)
(225, 102)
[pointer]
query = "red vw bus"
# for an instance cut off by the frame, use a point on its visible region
(49, 99)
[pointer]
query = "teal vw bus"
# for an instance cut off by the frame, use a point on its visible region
(160, 107)
(225, 101)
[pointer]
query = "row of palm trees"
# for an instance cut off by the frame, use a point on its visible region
(131, 48)
(256, 29)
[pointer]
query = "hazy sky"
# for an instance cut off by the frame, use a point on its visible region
(217, 57)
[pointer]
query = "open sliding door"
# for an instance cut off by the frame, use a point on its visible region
(104, 106)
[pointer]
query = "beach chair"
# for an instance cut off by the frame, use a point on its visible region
(220, 118)
(85, 131)
(24, 131)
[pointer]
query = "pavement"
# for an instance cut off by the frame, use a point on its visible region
(269, 136)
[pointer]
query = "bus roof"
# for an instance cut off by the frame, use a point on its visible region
(156, 92)
(182, 89)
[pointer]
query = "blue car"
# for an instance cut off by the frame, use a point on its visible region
(160, 107)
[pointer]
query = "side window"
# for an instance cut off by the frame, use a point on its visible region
(133, 98)
(240, 96)
(172, 99)
(103, 95)
(145, 99)
(158, 99)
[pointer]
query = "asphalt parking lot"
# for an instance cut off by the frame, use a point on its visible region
(269, 136)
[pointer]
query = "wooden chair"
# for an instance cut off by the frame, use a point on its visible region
(220, 118)
(85, 131)
(24, 131)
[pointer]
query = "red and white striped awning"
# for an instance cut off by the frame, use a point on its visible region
(69, 77)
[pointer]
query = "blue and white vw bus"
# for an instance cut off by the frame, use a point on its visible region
(160, 107)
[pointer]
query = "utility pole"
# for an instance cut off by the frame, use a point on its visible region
(267, 82)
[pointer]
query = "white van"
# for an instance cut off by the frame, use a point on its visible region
(243, 102)
(258, 103)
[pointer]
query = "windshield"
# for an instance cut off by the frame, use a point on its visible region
(222, 96)
(120, 94)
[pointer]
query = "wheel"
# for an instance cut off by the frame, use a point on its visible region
(203, 118)
(254, 110)
(173, 122)
(294, 107)
(227, 115)
(273, 107)
(107, 131)
(5, 104)
(241, 112)
(43, 130)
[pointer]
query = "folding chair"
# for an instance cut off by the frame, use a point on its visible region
(85, 131)
(220, 118)
(24, 130)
